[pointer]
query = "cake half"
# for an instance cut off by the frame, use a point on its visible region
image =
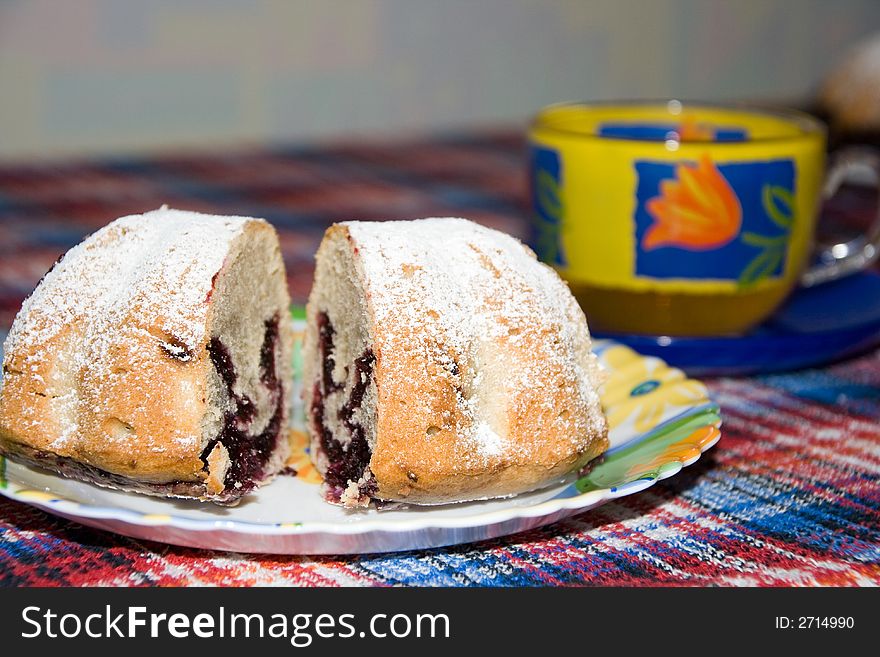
(155, 357)
(443, 362)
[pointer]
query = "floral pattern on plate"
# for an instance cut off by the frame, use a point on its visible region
(660, 421)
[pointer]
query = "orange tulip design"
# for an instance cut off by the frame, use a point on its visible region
(690, 130)
(698, 211)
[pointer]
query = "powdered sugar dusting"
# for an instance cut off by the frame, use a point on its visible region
(488, 442)
(475, 296)
(140, 276)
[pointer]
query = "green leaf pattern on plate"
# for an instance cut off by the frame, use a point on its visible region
(664, 449)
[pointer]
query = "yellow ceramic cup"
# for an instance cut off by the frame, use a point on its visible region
(681, 219)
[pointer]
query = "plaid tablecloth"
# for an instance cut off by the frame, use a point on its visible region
(790, 496)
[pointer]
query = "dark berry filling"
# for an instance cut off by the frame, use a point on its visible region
(248, 453)
(325, 338)
(222, 362)
(345, 463)
(357, 457)
(176, 349)
(267, 353)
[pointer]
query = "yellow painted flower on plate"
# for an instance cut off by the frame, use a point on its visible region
(644, 389)
(299, 458)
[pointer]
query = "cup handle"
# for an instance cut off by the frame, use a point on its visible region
(839, 260)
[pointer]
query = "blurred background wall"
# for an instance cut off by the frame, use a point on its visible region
(109, 76)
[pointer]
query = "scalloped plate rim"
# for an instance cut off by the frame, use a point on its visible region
(141, 519)
(96, 515)
(548, 507)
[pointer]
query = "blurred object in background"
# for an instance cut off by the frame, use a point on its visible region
(100, 77)
(850, 95)
(849, 102)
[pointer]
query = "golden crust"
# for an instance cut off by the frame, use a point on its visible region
(134, 406)
(411, 463)
(218, 464)
(529, 382)
(106, 409)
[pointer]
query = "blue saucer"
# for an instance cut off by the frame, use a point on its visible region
(815, 326)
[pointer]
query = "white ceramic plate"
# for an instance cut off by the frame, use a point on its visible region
(660, 421)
